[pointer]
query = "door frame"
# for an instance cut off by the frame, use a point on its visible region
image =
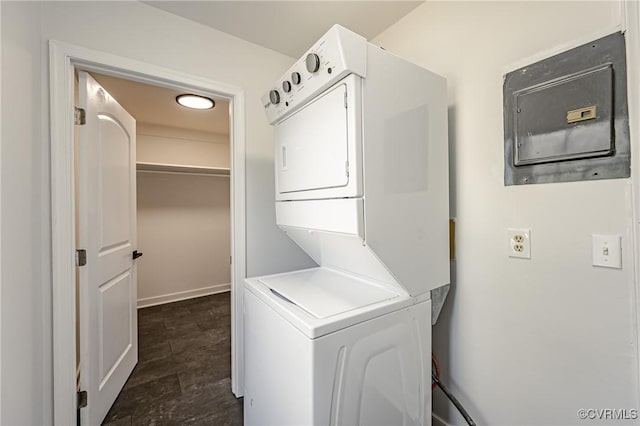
(64, 58)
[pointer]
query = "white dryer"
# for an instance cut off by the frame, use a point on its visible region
(362, 186)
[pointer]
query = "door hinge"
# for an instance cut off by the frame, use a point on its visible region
(81, 257)
(83, 399)
(79, 116)
(230, 260)
(345, 99)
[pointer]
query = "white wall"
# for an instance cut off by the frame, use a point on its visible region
(183, 220)
(184, 232)
(25, 346)
(136, 31)
(168, 145)
(523, 341)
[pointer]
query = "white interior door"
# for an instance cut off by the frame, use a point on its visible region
(107, 230)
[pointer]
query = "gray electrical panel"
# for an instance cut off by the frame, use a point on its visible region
(566, 117)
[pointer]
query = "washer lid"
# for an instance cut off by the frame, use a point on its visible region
(324, 293)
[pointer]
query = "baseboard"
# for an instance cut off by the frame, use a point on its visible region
(183, 295)
(436, 420)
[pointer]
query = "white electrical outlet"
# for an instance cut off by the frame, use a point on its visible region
(519, 243)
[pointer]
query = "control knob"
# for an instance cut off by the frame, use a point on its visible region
(313, 62)
(295, 77)
(286, 86)
(274, 97)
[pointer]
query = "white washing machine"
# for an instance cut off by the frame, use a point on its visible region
(362, 187)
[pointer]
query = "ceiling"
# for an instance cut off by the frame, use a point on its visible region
(290, 27)
(259, 22)
(157, 105)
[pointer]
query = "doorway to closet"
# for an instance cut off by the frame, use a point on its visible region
(183, 200)
(183, 281)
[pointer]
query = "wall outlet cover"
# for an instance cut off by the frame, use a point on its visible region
(519, 243)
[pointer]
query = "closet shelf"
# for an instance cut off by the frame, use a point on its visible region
(179, 168)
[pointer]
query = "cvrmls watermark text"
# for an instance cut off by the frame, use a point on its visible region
(608, 414)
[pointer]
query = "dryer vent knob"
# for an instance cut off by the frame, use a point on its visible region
(274, 97)
(313, 62)
(286, 86)
(295, 77)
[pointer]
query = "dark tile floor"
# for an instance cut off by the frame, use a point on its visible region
(184, 367)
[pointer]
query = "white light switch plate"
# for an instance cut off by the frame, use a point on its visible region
(607, 251)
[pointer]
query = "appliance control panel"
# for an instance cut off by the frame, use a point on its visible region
(338, 53)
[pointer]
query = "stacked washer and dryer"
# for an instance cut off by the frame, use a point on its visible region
(362, 187)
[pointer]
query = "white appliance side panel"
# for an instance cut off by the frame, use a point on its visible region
(406, 170)
(342, 215)
(312, 145)
(377, 372)
(278, 387)
(311, 135)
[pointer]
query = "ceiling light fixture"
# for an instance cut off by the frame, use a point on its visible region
(195, 101)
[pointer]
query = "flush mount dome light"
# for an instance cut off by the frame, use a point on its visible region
(195, 101)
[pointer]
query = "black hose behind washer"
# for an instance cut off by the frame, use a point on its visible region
(453, 399)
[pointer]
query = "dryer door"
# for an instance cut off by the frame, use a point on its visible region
(312, 146)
